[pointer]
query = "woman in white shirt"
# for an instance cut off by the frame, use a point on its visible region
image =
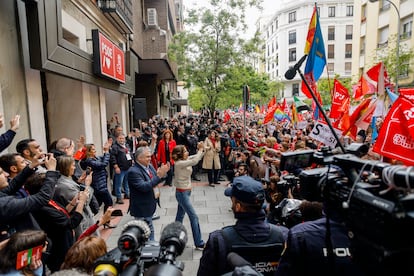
(182, 181)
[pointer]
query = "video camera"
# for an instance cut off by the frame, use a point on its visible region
(135, 255)
(374, 199)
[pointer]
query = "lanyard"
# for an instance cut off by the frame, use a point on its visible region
(56, 206)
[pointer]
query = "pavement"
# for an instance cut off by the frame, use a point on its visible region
(210, 203)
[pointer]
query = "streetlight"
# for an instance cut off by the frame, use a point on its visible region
(398, 42)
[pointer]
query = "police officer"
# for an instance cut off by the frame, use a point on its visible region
(251, 237)
(307, 249)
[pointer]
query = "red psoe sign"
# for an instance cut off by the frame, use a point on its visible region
(108, 58)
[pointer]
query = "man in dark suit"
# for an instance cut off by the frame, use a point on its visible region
(142, 179)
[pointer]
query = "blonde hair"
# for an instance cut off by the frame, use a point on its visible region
(83, 253)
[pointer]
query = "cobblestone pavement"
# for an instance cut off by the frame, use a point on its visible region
(212, 207)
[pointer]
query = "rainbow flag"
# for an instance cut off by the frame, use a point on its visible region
(280, 115)
(315, 49)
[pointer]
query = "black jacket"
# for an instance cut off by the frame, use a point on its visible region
(119, 156)
(100, 174)
(305, 252)
(251, 226)
(15, 213)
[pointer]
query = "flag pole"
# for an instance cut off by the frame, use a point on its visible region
(328, 121)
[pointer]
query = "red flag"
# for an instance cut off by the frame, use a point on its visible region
(359, 110)
(284, 107)
(362, 88)
(340, 97)
(378, 74)
(269, 114)
(316, 112)
(407, 92)
(395, 136)
(226, 116)
(343, 123)
(364, 120)
(271, 102)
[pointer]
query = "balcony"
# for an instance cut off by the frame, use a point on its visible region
(119, 12)
(405, 35)
(382, 45)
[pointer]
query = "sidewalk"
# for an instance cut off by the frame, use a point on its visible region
(210, 204)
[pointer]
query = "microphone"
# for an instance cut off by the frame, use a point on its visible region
(236, 260)
(291, 72)
(174, 238)
(241, 266)
(134, 235)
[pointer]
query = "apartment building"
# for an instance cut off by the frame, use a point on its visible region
(70, 66)
(285, 37)
(378, 27)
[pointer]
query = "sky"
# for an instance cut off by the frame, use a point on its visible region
(251, 16)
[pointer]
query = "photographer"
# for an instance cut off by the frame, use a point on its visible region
(273, 198)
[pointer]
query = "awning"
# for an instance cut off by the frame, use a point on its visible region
(158, 67)
(179, 102)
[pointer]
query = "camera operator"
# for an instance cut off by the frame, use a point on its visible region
(273, 198)
(251, 237)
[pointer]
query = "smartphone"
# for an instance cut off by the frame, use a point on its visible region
(88, 170)
(117, 213)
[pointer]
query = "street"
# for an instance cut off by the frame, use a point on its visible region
(212, 207)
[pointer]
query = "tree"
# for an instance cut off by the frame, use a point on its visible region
(388, 55)
(210, 54)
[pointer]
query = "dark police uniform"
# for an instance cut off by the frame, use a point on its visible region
(306, 251)
(252, 233)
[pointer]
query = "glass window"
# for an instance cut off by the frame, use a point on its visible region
(292, 54)
(349, 31)
(349, 10)
(331, 67)
(331, 51)
(407, 27)
(362, 45)
(404, 70)
(331, 33)
(363, 13)
(292, 37)
(295, 89)
(383, 37)
(292, 17)
(385, 5)
(348, 67)
(331, 11)
(348, 50)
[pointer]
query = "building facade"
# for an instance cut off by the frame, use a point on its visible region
(376, 30)
(71, 66)
(285, 37)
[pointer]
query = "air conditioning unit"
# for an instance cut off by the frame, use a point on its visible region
(152, 17)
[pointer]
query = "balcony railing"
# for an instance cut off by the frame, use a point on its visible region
(382, 44)
(405, 35)
(119, 12)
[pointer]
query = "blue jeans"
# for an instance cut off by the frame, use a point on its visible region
(184, 206)
(151, 226)
(120, 180)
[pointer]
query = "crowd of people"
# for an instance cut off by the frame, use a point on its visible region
(51, 198)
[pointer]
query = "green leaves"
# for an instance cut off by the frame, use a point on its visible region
(211, 55)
